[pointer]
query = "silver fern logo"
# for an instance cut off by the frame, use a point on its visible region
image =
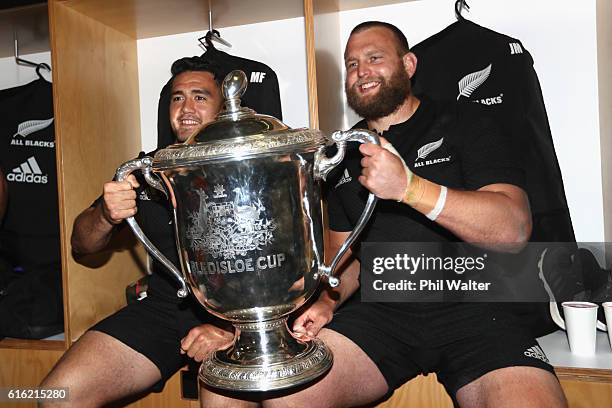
(28, 127)
(471, 82)
(427, 149)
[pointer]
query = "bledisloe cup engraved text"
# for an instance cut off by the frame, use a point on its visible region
(239, 265)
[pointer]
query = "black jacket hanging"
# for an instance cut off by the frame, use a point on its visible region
(471, 63)
(30, 271)
(262, 94)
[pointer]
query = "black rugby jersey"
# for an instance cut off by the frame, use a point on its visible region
(446, 143)
(476, 65)
(30, 233)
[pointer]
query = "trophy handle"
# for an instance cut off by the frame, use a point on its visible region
(323, 165)
(144, 165)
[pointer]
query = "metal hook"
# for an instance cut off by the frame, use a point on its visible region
(212, 34)
(459, 6)
(21, 61)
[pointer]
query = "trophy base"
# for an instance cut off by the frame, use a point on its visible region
(266, 357)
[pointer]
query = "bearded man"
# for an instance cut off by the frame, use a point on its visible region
(473, 193)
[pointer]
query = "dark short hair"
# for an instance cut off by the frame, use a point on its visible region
(196, 63)
(400, 38)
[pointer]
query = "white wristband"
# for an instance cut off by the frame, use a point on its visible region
(433, 214)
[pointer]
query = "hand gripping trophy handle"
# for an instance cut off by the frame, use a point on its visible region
(323, 165)
(144, 165)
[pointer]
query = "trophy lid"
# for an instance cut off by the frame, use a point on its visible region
(238, 133)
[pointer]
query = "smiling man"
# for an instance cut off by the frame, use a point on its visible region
(195, 101)
(139, 347)
(443, 174)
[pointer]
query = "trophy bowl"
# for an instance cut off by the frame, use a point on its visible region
(246, 198)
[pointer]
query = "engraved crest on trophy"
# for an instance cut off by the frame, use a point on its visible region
(228, 228)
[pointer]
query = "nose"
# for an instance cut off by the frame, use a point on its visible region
(363, 70)
(188, 105)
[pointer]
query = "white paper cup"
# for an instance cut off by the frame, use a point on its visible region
(581, 326)
(607, 306)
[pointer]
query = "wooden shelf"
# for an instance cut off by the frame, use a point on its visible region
(32, 344)
(150, 18)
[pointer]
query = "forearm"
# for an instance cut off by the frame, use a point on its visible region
(91, 232)
(496, 216)
(349, 284)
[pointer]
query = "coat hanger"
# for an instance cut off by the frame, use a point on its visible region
(24, 62)
(212, 34)
(459, 6)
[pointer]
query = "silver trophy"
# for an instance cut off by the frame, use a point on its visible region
(247, 209)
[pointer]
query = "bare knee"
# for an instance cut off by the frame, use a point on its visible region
(512, 387)
(99, 369)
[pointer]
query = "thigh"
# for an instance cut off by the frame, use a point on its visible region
(353, 380)
(494, 341)
(152, 327)
(99, 368)
(513, 387)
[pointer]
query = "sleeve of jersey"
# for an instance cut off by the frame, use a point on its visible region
(338, 220)
(487, 157)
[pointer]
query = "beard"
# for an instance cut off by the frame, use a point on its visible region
(391, 94)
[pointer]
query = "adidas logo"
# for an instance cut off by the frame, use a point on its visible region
(346, 177)
(257, 76)
(536, 352)
(28, 172)
(515, 48)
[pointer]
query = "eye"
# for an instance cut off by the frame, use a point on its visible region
(200, 98)
(351, 64)
(176, 98)
(375, 58)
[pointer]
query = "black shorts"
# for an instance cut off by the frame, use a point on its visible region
(154, 327)
(459, 342)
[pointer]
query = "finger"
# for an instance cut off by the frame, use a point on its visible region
(369, 149)
(299, 325)
(315, 327)
(112, 186)
(188, 340)
(133, 182)
(383, 141)
(365, 161)
(199, 343)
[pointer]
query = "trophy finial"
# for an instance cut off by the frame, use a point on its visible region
(234, 86)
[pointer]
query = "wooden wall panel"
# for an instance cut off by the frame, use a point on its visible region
(587, 394)
(170, 397)
(422, 392)
(25, 368)
(97, 127)
(329, 70)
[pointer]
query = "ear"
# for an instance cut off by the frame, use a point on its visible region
(410, 63)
